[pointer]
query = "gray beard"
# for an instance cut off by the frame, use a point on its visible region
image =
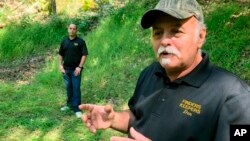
(165, 61)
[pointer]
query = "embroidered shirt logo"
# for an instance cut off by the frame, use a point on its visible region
(75, 44)
(190, 108)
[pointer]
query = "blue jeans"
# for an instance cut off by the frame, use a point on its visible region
(73, 83)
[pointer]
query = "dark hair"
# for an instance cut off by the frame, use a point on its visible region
(73, 24)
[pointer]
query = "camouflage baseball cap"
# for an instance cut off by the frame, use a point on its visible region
(180, 9)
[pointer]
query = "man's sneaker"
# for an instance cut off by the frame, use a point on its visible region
(65, 108)
(78, 114)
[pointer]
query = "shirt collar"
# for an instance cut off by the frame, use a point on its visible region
(72, 39)
(195, 78)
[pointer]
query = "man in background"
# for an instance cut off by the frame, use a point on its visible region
(72, 57)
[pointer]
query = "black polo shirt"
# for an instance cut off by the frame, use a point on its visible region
(197, 107)
(72, 52)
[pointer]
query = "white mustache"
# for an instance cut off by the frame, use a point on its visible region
(169, 50)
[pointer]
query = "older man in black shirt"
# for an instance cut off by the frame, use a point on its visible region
(72, 56)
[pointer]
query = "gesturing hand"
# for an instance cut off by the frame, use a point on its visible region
(134, 134)
(97, 117)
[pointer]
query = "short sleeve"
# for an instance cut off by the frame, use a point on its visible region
(236, 110)
(84, 49)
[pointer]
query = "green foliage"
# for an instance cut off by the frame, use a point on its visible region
(89, 5)
(3, 15)
(29, 38)
(25, 38)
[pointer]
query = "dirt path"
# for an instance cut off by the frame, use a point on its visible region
(21, 71)
(16, 71)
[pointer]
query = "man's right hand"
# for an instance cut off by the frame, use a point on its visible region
(97, 117)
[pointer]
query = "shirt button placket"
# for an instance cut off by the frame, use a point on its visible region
(163, 99)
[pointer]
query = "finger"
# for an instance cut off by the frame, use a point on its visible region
(88, 118)
(88, 107)
(92, 129)
(88, 114)
(93, 117)
(86, 121)
(111, 115)
(115, 138)
(137, 136)
(76, 73)
(84, 118)
(108, 108)
(88, 124)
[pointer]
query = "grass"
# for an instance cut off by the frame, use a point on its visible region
(30, 111)
(118, 50)
(228, 40)
(25, 38)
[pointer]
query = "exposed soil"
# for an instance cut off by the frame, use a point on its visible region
(25, 70)
(22, 71)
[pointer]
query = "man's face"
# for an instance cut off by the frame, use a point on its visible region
(176, 42)
(72, 30)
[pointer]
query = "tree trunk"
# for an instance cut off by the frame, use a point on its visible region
(53, 6)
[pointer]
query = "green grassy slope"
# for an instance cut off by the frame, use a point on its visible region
(228, 40)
